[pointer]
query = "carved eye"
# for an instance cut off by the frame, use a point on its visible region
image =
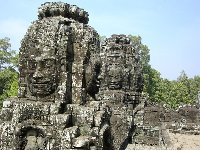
(32, 64)
(49, 63)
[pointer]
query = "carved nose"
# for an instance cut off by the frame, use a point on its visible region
(100, 77)
(37, 75)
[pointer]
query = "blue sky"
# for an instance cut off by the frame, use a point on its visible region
(170, 28)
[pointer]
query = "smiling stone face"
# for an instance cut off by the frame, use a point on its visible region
(59, 57)
(39, 61)
(115, 77)
(42, 75)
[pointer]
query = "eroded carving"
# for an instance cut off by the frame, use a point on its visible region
(120, 69)
(42, 79)
(31, 139)
(58, 57)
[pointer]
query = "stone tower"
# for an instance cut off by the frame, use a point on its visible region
(121, 71)
(59, 65)
(121, 86)
(72, 94)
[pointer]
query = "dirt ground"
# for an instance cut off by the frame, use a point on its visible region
(179, 142)
(142, 147)
(185, 141)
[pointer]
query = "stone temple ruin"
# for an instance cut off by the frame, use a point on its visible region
(74, 94)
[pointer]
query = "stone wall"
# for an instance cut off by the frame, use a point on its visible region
(159, 121)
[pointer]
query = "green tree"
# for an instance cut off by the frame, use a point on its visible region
(173, 93)
(181, 91)
(8, 84)
(184, 91)
(8, 70)
(153, 85)
(8, 57)
(143, 50)
(194, 87)
(151, 77)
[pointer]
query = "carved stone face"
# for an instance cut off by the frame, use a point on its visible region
(114, 77)
(115, 71)
(34, 141)
(42, 74)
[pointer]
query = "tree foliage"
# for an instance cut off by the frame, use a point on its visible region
(8, 57)
(184, 90)
(173, 93)
(8, 70)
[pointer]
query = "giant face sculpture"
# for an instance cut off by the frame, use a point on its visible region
(115, 77)
(55, 56)
(115, 68)
(42, 73)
